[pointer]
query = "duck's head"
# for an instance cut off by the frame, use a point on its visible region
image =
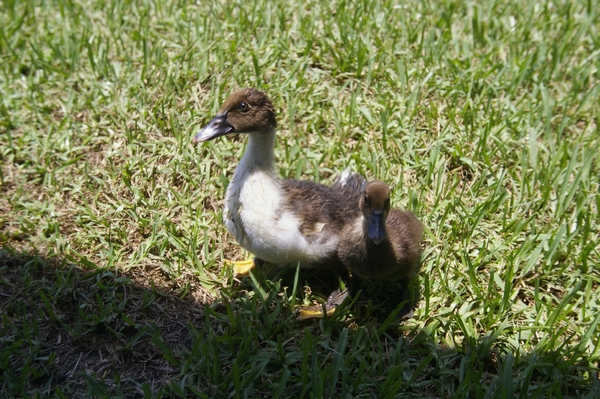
(244, 111)
(375, 207)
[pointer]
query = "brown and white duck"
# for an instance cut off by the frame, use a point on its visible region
(279, 221)
(378, 244)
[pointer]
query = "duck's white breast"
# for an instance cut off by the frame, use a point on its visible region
(257, 216)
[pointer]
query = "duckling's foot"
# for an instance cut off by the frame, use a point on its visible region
(407, 312)
(242, 268)
(317, 312)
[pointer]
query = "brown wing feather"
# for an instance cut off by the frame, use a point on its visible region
(322, 210)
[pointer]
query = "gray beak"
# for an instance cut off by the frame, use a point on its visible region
(376, 227)
(217, 127)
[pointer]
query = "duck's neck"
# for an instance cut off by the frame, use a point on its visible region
(259, 153)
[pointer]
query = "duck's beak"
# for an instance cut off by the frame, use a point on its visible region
(376, 227)
(215, 128)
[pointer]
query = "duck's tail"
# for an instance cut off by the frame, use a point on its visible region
(349, 180)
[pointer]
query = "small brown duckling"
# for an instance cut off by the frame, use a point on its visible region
(380, 244)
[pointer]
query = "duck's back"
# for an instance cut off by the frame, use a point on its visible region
(323, 211)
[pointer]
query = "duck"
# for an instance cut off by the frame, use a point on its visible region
(280, 221)
(379, 244)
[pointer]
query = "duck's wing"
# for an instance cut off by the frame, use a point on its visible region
(322, 211)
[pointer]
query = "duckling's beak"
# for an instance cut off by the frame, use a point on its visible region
(215, 128)
(376, 227)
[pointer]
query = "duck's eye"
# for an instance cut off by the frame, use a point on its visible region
(244, 107)
(366, 200)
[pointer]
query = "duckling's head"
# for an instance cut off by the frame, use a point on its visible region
(244, 111)
(375, 207)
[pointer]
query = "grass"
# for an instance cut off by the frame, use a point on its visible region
(482, 116)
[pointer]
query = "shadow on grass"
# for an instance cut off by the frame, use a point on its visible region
(73, 332)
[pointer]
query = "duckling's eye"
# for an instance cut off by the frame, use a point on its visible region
(366, 200)
(244, 107)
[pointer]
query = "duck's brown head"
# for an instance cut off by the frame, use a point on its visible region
(244, 111)
(375, 207)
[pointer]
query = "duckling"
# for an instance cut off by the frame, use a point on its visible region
(380, 244)
(279, 221)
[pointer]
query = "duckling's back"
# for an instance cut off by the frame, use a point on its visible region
(405, 232)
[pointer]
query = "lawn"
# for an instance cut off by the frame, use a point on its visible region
(483, 117)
